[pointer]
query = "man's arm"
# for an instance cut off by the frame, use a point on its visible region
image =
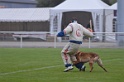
(87, 32)
(67, 30)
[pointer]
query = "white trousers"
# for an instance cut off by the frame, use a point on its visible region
(68, 52)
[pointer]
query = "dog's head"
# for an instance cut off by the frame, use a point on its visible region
(77, 53)
(80, 53)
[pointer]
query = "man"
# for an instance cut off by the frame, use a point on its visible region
(76, 32)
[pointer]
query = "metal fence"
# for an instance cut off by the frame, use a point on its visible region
(46, 40)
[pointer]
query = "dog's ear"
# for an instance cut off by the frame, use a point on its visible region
(78, 52)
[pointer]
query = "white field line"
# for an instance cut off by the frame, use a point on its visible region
(112, 60)
(20, 71)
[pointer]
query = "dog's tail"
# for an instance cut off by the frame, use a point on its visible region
(99, 62)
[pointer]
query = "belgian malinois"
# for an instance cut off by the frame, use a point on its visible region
(89, 57)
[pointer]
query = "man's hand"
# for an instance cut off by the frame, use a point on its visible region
(90, 30)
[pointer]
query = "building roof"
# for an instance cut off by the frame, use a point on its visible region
(24, 14)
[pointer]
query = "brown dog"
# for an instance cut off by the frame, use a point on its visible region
(89, 57)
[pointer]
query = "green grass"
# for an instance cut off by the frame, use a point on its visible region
(46, 65)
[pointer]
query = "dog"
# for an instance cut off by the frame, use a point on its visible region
(89, 57)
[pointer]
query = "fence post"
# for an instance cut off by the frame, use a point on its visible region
(89, 42)
(20, 41)
(54, 40)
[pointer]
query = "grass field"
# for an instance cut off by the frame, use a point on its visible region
(46, 65)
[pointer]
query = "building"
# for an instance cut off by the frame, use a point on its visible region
(27, 21)
(18, 3)
(24, 19)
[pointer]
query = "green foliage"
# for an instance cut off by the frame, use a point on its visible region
(48, 3)
(46, 65)
(110, 2)
(53, 3)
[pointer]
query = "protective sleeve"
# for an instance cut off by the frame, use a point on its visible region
(67, 30)
(60, 34)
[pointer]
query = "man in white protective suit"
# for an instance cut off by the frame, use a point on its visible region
(76, 32)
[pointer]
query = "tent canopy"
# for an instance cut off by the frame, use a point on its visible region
(114, 6)
(93, 6)
(80, 5)
(24, 14)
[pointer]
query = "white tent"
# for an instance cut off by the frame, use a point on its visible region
(24, 14)
(96, 7)
(114, 6)
(111, 13)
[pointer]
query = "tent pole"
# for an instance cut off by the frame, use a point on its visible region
(104, 26)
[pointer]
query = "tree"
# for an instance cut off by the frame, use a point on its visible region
(109, 2)
(53, 3)
(48, 3)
